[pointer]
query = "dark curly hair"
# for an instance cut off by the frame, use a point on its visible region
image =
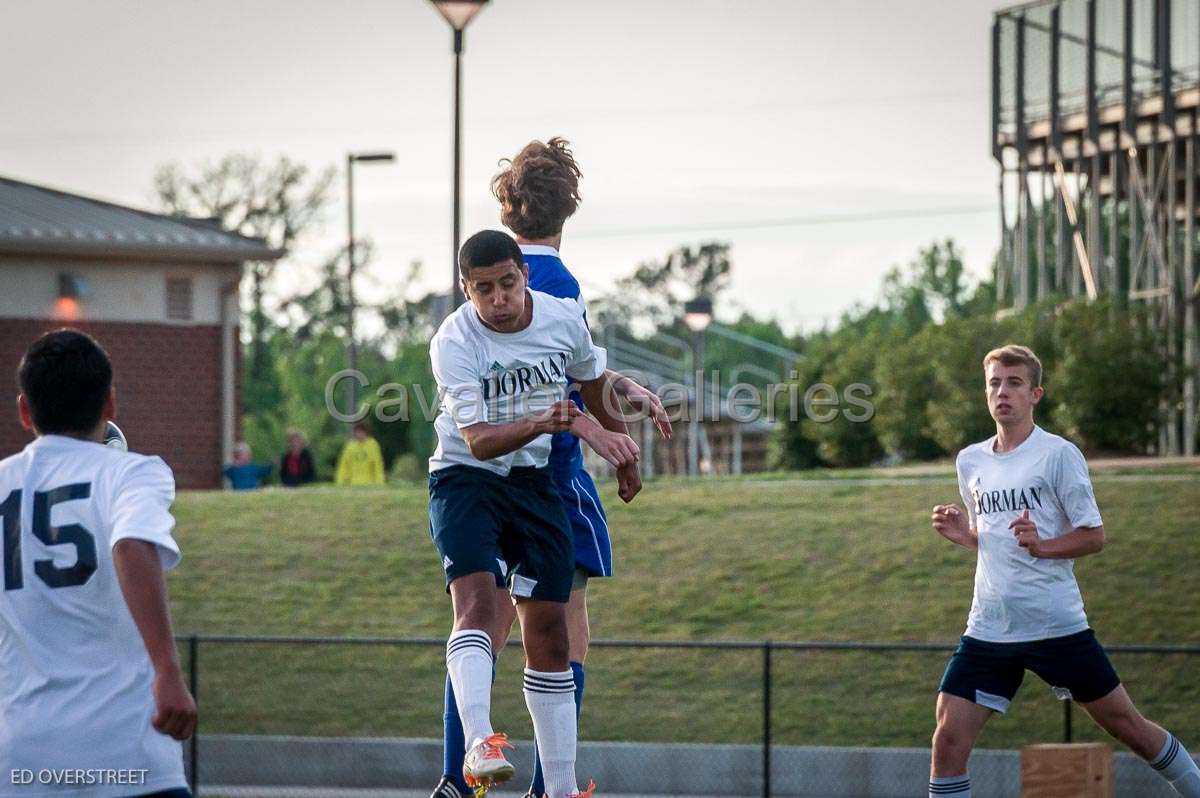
(538, 190)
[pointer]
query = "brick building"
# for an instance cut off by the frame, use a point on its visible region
(159, 293)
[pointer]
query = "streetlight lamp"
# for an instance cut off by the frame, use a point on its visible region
(697, 315)
(458, 13)
(351, 159)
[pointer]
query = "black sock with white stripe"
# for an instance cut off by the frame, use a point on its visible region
(469, 663)
(551, 701)
(1175, 765)
(955, 786)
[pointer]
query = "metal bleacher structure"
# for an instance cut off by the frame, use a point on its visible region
(722, 444)
(1094, 126)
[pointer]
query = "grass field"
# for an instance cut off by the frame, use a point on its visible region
(713, 560)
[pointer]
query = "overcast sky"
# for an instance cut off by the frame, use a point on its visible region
(747, 121)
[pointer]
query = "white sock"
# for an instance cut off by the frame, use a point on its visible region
(954, 786)
(1175, 765)
(551, 701)
(469, 662)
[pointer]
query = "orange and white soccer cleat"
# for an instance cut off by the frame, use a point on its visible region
(485, 765)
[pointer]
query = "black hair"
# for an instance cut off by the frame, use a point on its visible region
(487, 248)
(65, 376)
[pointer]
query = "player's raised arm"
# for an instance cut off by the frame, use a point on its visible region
(609, 437)
(643, 399)
(1073, 489)
(487, 441)
(1079, 542)
(588, 367)
(951, 522)
(617, 448)
(954, 523)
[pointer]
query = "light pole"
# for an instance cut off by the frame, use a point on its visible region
(351, 159)
(458, 13)
(697, 315)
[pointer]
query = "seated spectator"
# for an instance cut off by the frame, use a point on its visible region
(361, 460)
(296, 465)
(243, 474)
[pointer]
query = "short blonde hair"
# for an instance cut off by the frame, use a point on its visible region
(1016, 355)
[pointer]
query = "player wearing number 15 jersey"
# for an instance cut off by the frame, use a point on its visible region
(91, 694)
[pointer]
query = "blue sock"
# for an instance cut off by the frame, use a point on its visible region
(453, 744)
(538, 786)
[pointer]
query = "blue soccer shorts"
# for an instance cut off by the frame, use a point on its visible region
(989, 674)
(589, 524)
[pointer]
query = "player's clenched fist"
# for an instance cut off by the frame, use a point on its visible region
(950, 522)
(629, 482)
(558, 417)
(1025, 531)
(175, 709)
(617, 448)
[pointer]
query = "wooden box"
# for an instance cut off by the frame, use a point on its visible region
(1079, 770)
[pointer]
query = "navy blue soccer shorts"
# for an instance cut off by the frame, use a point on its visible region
(989, 674)
(589, 524)
(513, 527)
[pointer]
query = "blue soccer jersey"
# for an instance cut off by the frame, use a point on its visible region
(593, 551)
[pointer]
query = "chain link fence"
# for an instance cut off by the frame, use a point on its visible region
(315, 715)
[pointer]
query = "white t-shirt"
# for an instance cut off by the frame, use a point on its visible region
(487, 376)
(1019, 597)
(75, 678)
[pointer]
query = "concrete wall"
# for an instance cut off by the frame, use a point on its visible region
(625, 768)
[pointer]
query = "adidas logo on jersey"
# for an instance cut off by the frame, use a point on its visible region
(496, 366)
(446, 563)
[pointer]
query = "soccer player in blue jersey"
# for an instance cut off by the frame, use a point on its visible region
(538, 191)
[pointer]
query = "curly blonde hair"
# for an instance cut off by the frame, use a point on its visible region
(538, 190)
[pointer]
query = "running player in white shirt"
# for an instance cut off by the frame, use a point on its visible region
(1029, 512)
(92, 700)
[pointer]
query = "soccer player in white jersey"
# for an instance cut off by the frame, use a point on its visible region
(504, 363)
(92, 700)
(538, 191)
(1030, 512)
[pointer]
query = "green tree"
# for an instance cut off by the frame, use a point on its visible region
(845, 441)
(657, 289)
(1109, 378)
(904, 373)
(278, 202)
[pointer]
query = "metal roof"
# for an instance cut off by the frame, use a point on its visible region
(35, 220)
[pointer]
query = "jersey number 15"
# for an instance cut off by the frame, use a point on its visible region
(71, 534)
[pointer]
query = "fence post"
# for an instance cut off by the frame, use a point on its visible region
(1067, 720)
(194, 686)
(766, 712)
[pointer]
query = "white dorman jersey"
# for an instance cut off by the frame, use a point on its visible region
(75, 678)
(1019, 597)
(487, 376)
